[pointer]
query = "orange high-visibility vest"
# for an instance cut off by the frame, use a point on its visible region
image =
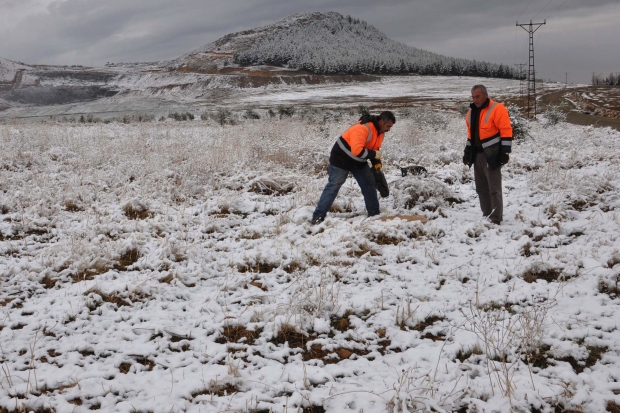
(494, 126)
(360, 138)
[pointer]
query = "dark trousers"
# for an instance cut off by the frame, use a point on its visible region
(489, 188)
(337, 178)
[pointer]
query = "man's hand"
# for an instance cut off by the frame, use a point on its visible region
(503, 158)
(378, 154)
(466, 159)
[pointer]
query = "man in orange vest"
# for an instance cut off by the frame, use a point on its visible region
(350, 154)
(489, 141)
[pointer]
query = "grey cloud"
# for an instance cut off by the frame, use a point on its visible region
(94, 32)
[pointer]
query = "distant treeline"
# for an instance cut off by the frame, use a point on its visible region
(344, 45)
(612, 80)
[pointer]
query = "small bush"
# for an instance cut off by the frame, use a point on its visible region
(520, 126)
(181, 116)
(553, 115)
(224, 117)
(286, 111)
(251, 114)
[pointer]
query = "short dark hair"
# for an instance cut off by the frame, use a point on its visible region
(482, 88)
(387, 116)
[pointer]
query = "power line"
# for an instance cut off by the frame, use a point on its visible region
(531, 78)
(543, 9)
(563, 3)
(528, 5)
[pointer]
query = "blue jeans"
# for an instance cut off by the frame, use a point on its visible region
(337, 178)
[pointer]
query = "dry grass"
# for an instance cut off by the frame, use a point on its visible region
(259, 267)
(548, 274)
(218, 389)
(612, 290)
(612, 407)
(127, 259)
(408, 218)
(72, 206)
(232, 334)
(136, 212)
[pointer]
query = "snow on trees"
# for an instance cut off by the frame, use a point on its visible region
(333, 43)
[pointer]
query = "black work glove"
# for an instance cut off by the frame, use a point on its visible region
(503, 158)
(466, 159)
(380, 182)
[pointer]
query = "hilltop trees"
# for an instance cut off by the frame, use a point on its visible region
(337, 44)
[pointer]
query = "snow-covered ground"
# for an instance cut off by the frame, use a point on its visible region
(161, 93)
(170, 267)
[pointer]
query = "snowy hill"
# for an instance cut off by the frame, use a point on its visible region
(329, 43)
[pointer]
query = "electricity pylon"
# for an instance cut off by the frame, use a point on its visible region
(531, 78)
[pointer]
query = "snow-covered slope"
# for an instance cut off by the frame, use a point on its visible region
(329, 43)
(8, 70)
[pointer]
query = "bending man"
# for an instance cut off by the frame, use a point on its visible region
(489, 141)
(351, 152)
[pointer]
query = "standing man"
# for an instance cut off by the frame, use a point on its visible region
(489, 141)
(351, 152)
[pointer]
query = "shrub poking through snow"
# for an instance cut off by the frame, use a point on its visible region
(540, 271)
(136, 210)
(520, 125)
(553, 115)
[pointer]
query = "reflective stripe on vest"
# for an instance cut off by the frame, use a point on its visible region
(506, 143)
(486, 118)
(348, 152)
(490, 142)
(369, 132)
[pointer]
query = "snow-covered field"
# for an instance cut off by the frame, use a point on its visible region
(170, 267)
(160, 94)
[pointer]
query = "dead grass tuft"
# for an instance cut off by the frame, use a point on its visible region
(615, 259)
(259, 285)
(595, 353)
(360, 250)
(124, 368)
(71, 206)
(127, 259)
(260, 267)
(548, 274)
(612, 407)
(292, 267)
(428, 322)
(270, 186)
(48, 282)
(175, 338)
(613, 291)
(113, 298)
(383, 239)
(99, 267)
(217, 389)
(465, 353)
(313, 409)
(136, 212)
(526, 250)
(580, 204)
(148, 363)
(232, 334)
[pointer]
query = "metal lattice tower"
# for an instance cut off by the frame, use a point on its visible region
(531, 76)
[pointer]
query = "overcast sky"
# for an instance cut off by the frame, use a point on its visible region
(580, 37)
